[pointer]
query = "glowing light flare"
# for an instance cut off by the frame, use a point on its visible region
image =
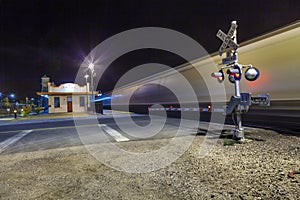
(237, 75)
(45, 96)
(91, 66)
(260, 83)
(103, 99)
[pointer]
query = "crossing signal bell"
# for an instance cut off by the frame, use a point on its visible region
(252, 74)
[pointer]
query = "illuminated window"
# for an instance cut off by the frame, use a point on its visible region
(81, 101)
(56, 102)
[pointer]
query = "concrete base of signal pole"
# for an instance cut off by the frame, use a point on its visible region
(238, 134)
(238, 131)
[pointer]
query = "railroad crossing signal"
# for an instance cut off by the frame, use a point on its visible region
(228, 39)
(240, 102)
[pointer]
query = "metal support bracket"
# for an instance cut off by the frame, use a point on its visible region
(234, 102)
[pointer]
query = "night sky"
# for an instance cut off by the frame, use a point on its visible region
(53, 37)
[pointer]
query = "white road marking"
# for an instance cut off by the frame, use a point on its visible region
(7, 119)
(5, 144)
(115, 134)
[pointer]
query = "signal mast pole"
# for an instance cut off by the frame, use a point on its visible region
(238, 132)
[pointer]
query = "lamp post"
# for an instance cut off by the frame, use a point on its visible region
(92, 69)
(87, 96)
(15, 113)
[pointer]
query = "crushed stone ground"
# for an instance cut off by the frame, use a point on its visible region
(254, 170)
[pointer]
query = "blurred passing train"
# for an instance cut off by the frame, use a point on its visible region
(276, 55)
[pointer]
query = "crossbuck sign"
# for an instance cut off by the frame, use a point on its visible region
(227, 39)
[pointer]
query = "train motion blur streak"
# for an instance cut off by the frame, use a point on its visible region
(276, 54)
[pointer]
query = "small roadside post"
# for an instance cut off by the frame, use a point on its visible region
(15, 113)
(240, 102)
(8, 111)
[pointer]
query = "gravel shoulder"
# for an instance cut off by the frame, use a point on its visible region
(254, 170)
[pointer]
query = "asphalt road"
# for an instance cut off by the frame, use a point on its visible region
(35, 135)
(42, 135)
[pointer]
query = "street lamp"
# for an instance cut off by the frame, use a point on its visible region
(12, 97)
(92, 69)
(87, 96)
(15, 113)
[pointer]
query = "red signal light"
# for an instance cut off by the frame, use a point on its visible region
(235, 72)
(219, 75)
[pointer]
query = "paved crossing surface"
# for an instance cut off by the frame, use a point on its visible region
(50, 133)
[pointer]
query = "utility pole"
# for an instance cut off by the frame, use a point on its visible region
(87, 90)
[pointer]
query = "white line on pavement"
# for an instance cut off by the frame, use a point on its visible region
(5, 144)
(115, 134)
(6, 119)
